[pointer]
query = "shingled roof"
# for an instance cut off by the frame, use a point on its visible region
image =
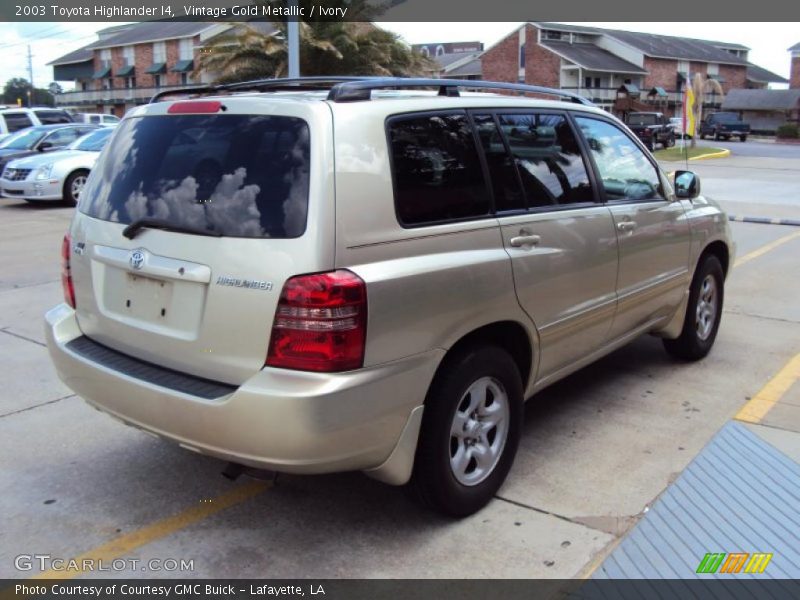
(660, 46)
(762, 100)
(762, 75)
(592, 57)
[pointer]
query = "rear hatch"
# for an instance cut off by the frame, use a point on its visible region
(195, 215)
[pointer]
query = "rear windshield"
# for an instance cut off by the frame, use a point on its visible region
(235, 175)
(641, 119)
(725, 117)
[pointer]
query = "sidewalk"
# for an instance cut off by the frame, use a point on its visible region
(735, 510)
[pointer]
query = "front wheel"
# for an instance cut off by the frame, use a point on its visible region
(703, 312)
(670, 142)
(74, 186)
(742, 138)
(470, 431)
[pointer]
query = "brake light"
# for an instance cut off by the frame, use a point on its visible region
(195, 107)
(320, 323)
(66, 272)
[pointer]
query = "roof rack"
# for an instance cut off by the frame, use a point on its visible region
(260, 85)
(355, 89)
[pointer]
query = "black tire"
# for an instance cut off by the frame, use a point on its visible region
(670, 142)
(702, 136)
(434, 480)
(742, 138)
(691, 344)
(69, 195)
(651, 145)
(717, 137)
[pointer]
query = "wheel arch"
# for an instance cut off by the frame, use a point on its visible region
(511, 336)
(69, 176)
(719, 249)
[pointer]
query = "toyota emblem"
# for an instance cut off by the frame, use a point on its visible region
(136, 259)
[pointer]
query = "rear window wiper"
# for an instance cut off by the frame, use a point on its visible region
(132, 230)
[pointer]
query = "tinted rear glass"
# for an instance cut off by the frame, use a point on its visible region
(437, 172)
(53, 117)
(17, 121)
(237, 175)
(641, 119)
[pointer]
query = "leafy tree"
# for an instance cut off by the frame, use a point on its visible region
(19, 87)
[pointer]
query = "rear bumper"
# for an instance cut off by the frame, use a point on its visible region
(283, 420)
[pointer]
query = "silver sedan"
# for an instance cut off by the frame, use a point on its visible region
(54, 175)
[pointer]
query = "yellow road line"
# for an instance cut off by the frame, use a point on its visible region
(125, 544)
(766, 248)
(760, 404)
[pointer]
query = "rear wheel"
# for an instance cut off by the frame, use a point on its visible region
(470, 431)
(703, 312)
(74, 186)
(670, 141)
(742, 138)
(717, 136)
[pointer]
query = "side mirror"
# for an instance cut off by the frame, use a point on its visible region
(687, 184)
(45, 146)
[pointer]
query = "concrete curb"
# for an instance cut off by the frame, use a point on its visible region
(764, 220)
(723, 154)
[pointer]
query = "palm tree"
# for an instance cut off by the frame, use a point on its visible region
(326, 48)
(700, 86)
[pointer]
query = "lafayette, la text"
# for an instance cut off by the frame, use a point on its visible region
(176, 589)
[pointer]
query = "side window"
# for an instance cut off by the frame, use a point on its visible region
(16, 121)
(437, 172)
(625, 172)
(62, 137)
(507, 192)
(94, 118)
(548, 159)
(52, 117)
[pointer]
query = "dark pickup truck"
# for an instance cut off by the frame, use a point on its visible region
(724, 126)
(652, 128)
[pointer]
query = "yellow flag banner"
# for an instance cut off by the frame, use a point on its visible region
(688, 111)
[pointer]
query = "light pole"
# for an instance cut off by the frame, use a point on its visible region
(293, 40)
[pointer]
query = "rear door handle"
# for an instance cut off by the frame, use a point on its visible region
(626, 225)
(527, 239)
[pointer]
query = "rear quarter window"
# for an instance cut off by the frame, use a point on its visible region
(16, 121)
(52, 117)
(236, 175)
(436, 169)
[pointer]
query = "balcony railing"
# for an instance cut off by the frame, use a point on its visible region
(608, 95)
(138, 95)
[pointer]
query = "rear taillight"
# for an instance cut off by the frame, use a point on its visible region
(320, 323)
(66, 272)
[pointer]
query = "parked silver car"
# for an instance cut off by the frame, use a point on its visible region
(360, 279)
(55, 175)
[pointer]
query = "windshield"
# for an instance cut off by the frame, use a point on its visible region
(22, 140)
(92, 142)
(641, 119)
(234, 175)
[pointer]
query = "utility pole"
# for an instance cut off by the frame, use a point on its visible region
(293, 41)
(30, 76)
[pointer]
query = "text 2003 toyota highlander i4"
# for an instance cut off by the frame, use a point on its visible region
(356, 278)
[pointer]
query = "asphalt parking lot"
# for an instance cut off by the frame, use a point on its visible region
(597, 448)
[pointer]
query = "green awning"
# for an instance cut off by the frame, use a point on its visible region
(629, 88)
(156, 68)
(183, 66)
(126, 71)
(102, 73)
(718, 78)
(658, 91)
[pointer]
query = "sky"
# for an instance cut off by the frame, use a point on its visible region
(768, 41)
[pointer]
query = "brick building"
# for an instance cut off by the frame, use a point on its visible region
(794, 78)
(596, 63)
(129, 63)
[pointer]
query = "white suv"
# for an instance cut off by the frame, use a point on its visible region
(315, 276)
(14, 119)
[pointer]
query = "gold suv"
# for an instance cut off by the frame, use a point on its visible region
(373, 274)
